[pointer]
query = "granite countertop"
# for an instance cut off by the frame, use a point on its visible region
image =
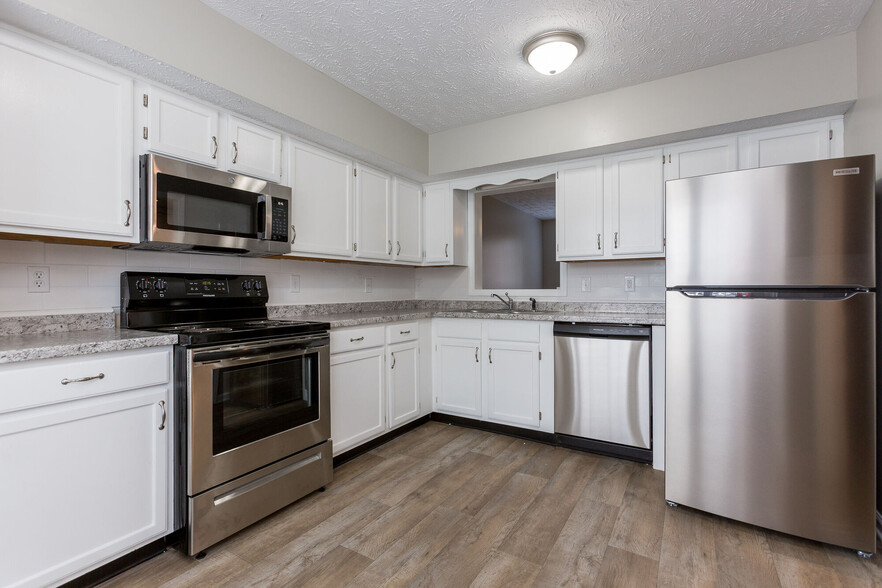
(19, 347)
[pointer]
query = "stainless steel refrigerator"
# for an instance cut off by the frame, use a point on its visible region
(770, 340)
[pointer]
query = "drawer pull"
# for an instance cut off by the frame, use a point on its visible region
(67, 381)
(404, 332)
(162, 406)
(356, 339)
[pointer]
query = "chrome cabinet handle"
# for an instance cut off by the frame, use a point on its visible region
(393, 361)
(616, 240)
(404, 332)
(294, 233)
(490, 355)
(67, 381)
(390, 247)
(356, 339)
(399, 247)
(162, 406)
(128, 213)
(476, 355)
(598, 241)
(446, 245)
(214, 153)
(235, 152)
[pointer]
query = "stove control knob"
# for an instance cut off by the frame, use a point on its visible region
(246, 285)
(258, 286)
(142, 285)
(160, 285)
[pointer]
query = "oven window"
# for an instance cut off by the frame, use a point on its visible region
(255, 401)
(198, 207)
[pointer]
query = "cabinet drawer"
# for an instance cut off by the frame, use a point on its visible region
(458, 328)
(41, 382)
(357, 338)
(513, 330)
(400, 332)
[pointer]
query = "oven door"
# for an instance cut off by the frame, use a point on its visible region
(251, 404)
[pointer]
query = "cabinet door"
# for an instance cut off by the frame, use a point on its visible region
(458, 376)
(373, 206)
(403, 383)
(785, 144)
(407, 221)
(182, 128)
(579, 211)
(90, 483)
(700, 158)
(438, 223)
(66, 146)
(321, 208)
(635, 183)
(512, 387)
(358, 406)
(254, 150)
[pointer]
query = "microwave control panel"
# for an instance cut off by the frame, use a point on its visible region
(279, 228)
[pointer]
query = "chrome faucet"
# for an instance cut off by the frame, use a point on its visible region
(509, 302)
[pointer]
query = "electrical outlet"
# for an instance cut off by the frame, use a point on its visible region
(629, 283)
(586, 284)
(38, 278)
(295, 283)
(368, 285)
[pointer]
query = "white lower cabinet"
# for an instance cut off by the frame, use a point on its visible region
(86, 464)
(357, 407)
(500, 371)
(375, 379)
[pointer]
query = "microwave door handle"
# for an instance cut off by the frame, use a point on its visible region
(265, 220)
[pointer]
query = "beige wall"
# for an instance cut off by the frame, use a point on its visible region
(191, 37)
(863, 124)
(800, 78)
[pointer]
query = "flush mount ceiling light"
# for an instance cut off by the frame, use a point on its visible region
(551, 53)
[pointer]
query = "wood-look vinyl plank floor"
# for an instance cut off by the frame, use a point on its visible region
(447, 506)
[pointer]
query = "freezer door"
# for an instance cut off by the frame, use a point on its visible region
(806, 224)
(770, 413)
(601, 389)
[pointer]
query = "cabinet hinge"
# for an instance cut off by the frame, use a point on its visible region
(664, 241)
(145, 100)
(424, 193)
(831, 134)
(556, 175)
(663, 158)
(558, 246)
(145, 132)
(355, 246)
(540, 415)
(354, 172)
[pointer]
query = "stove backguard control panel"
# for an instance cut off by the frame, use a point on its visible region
(147, 286)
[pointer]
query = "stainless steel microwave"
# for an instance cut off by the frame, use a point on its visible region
(187, 207)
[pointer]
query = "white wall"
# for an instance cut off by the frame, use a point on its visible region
(511, 245)
(88, 277)
(607, 282)
(800, 78)
(863, 124)
(193, 38)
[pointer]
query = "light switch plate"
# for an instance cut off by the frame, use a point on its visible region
(368, 285)
(295, 283)
(586, 284)
(629, 283)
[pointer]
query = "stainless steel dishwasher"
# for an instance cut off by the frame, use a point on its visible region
(602, 393)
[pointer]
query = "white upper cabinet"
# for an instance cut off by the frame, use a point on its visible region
(181, 127)
(321, 208)
(406, 221)
(579, 211)
(438, 226)
(791, 144)
(373, 207)
(699, 158)
(254, 150)
(66, 152)
(635, 184)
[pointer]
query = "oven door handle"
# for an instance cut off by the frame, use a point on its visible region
(239, 354)
(259, 358)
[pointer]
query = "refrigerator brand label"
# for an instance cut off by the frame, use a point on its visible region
(847, 171)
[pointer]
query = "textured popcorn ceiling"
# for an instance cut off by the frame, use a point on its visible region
(440, 64)
(538, 203)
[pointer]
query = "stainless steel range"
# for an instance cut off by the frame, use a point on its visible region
(254, 424)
